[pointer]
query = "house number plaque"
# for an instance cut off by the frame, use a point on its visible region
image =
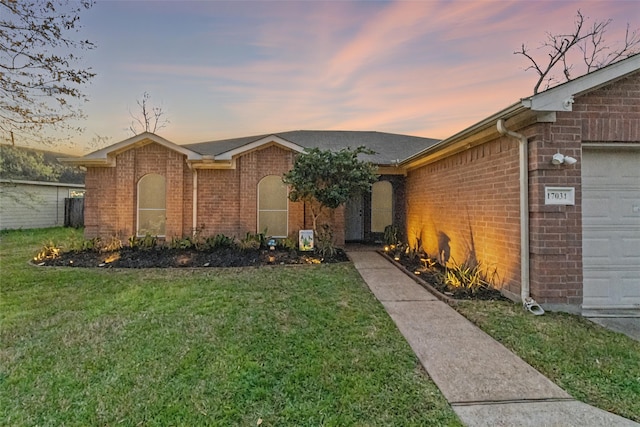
(559, 195)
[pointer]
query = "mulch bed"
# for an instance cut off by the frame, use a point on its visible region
(170, 258)
(163, 257)
(431, 280)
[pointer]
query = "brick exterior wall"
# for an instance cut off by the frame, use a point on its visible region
(100, 208)
(463, 207)
(111, 205)
(610, 114)
(466, 205)
(466, 208)
(227, 198)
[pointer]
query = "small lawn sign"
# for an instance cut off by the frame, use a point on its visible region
(305, 240)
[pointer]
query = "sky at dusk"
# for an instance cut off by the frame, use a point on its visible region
(231, 69)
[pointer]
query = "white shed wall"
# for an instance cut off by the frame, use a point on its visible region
(27, 204)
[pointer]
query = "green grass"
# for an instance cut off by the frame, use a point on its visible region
(288, 345)
(593, 364)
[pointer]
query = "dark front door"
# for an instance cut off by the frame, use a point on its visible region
(354, 220)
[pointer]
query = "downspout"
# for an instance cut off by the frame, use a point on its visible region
(194, 210)
(527, 302)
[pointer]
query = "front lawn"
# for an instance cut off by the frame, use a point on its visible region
(306, 345)
(593, 364)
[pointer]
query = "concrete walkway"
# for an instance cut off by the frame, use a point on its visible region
(485, 383)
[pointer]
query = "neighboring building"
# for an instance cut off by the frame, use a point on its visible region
(546, 192)
(34, 186)
(34, 204)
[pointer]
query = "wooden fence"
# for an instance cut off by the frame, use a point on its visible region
(74, 212)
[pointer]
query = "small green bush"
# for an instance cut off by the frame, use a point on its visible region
(219, 241)
(251, 241)
(80, 245)
(181, 243)
(148, 241)
(111, 245)
(324, 246)
(49, 251)
(468, 275)
(391, 235)
(288, 243)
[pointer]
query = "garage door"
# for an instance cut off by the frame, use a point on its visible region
(611, 231)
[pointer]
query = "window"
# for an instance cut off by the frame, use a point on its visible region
(381, 206)
(272, 206)
(152, 209)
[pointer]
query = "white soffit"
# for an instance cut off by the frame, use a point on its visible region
(560, 98)
(104, 156)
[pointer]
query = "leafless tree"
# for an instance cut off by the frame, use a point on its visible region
(97, 142)
(148, 118)
(40, 80)
(561, 51)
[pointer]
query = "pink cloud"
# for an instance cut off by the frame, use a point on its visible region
(428, 68)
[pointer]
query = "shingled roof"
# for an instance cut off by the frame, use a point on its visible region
(389, 148)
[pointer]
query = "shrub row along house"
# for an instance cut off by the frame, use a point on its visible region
(547, 191)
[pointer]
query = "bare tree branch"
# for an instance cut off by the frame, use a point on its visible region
(148, 118)
(40, 81)
(591, 42)
(597, 54)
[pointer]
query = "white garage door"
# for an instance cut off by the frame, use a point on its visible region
(611, 231)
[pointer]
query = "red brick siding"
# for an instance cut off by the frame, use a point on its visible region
(440, 194)
(611, 113)
(555, 232)
(113, 211)
(100, 211)
(467, 207)
(187, 201)
(227, 198)
(218, 201)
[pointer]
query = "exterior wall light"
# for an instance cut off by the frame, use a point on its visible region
(559, 159)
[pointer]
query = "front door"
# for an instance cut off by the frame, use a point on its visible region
(354, 221)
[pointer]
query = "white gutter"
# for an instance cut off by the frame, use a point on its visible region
(528, 302)
(194, 213)
(410, 162)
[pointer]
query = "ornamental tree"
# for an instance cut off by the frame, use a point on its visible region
(325, 179)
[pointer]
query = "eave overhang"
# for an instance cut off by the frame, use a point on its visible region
(474, 135)
(106, 157)
(560, 98)
(541, 107)
(227, 159)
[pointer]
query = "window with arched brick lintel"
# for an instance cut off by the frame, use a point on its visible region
(273, 206)
(152, 205)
